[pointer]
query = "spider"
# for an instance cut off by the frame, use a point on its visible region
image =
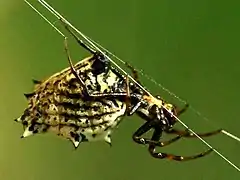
(87, 101)
(158, 114)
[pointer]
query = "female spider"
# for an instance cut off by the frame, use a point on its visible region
(158, 114)
(87, 101)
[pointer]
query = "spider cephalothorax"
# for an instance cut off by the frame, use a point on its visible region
(155, 108)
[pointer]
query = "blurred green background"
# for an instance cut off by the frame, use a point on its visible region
(191, 47)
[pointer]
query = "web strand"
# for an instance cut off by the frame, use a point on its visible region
(51, 24)
(98, 46)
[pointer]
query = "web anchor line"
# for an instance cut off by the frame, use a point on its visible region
(99, 48)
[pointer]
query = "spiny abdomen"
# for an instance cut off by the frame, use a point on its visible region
(57, 106)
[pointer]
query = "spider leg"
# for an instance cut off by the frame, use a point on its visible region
(136, 102)
(152, 150)
(36, 82)
(71, 64)
(180, 111)
(110, 94)
(188, 134)
(79, 41)
(127, 98)
(134, 72)
(133, 109)
(142, 130)
(157, 134)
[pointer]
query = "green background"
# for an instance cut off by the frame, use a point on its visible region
(191, 47)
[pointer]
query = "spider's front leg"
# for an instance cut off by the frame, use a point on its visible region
(79, 41)
(134, 72)
(71, 64)
(181, 111)
(158, 132)
(187, 133)
(160, 155)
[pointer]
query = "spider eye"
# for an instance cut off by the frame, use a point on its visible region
(158, 97)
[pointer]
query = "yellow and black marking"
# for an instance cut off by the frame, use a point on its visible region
(60, 105)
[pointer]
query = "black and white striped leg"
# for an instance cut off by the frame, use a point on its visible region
(157, 133)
